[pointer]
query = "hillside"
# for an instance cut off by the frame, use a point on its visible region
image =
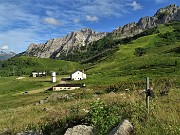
(155, 55)
(25, 65)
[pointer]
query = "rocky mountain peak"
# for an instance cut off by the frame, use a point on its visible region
(168, 10)
(87, 30)
(162, 16)
(68, 44)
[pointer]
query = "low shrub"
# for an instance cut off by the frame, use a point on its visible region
(102, 117)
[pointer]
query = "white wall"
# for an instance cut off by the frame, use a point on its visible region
(64, 88)
(78, 76)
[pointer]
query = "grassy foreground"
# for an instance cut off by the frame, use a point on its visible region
(21, 113)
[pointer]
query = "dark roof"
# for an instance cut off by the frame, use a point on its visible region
(69, 85)
(65, 79)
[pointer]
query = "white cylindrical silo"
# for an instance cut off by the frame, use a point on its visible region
(53, 77)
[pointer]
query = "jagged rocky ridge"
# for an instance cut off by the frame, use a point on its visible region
(162, 16)
(79, 39)
(73, 41)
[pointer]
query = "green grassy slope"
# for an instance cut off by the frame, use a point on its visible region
(25, 65)
(157, 61)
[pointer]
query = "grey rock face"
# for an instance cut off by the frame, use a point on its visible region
(80, 130)
(124, 128)
(6, 55)
(73, 41)
(162, 16)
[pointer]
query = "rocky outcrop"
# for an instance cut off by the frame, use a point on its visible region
(80, 130)
(73, 41)
(29, 133)
(124, 128)
(6, 55)
(162, 16)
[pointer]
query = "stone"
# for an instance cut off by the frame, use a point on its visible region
(6, 132)
(43, 101)
(123, 128)
(80, 130)
(56, 96)
(29, 133)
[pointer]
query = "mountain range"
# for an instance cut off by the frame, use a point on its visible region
(80, 40)
(6, 55)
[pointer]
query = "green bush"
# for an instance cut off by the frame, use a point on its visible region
(102, 117)
(140, 51)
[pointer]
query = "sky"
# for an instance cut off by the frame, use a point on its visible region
(23, 22)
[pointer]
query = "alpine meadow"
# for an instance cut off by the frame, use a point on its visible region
(117, 65)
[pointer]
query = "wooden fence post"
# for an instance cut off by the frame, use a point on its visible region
(147, 94)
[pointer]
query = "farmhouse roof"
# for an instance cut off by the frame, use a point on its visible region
(75, 71)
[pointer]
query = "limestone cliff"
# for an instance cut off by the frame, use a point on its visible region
(73, 41)
(162, 16)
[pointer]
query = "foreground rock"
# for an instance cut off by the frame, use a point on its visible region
(124, 128)
(80, 130)
(29, 133)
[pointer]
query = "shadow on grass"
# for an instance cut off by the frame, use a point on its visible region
(60, 127)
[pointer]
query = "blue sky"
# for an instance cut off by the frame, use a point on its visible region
(35, 21)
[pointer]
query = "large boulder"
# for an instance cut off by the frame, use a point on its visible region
(124, 128)
(80, 130)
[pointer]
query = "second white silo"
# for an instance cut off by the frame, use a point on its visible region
(53, 77)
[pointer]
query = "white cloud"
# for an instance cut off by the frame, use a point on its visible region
(135, 5)
(160, 1)
(76, 20)
(104, 8)
(92, 18)
(5, 47)
(51, 21)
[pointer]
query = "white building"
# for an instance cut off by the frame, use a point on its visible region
(78, 75)
(34, 74)
(38, 74)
